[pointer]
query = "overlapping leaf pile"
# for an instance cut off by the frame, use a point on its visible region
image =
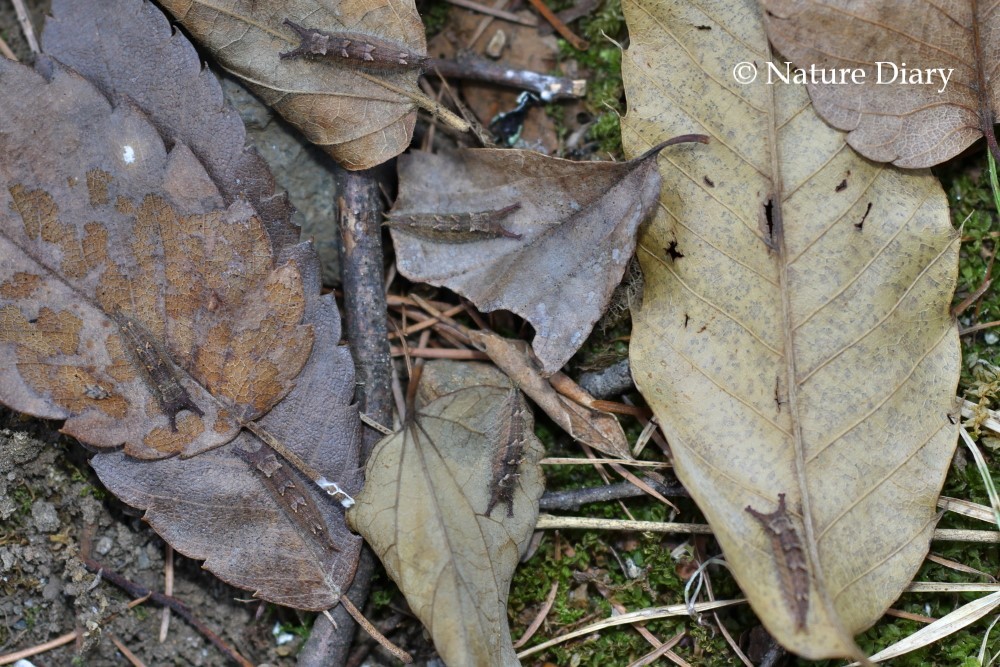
(144, 301)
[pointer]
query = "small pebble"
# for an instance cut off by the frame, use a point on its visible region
(991, 337)
(495, 47)
(104, 545)
(45, 517)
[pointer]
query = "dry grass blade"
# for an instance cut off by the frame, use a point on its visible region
(938, 630)
(640, 616)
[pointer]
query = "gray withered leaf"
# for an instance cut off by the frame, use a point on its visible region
(255, 521)
(450, 503)
(361, 112)
(546, 238)
(128, 50)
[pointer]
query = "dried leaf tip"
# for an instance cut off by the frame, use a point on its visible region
(682, 139)
(351, 48)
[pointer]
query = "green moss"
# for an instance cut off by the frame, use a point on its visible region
(605, 93)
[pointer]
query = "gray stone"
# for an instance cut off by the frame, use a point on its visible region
(44, 515)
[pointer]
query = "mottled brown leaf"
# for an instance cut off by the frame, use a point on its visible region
(596, 429)
(128, 49)
(548, 239)
(923, 121)
(431, 512)
(132, 303)
(256, 521)
(358, 110)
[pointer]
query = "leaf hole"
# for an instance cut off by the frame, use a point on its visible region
(708, 181)
(672, 252)
(841, 186)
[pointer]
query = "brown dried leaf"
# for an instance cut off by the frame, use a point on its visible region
(597, 429)
(244, 510)
(425, 507)
(128, 50)
(132, 304)
(795, 338)
(911, 125)
(361, 116)
(557, 237)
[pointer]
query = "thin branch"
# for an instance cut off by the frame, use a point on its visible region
(475, 68)
(137, 590)
(61, 640)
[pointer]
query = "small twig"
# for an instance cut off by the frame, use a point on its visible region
(529, 21)
(168, 589)
(441, 353)
(6, 52)
(540, 617)
(384, 430)
(577, 461)
(475, 68)
(551, 522)
(61, 640)
(131, 657)
(978, 327)
(578, 42)
(960, 308)
(570, 14)
(573, 499)
(399, 653)
(29, 31)
(137, 590)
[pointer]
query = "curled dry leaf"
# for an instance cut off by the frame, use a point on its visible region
(596, 429)
(132, 304)
(934, 92)
(257, 522)
(794, 339)
(352, 100)
(128, 49)
(449, 506)
(548, 239)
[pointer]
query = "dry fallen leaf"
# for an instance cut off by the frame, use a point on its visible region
(358, 110)
(597, 429)
(921, 122)
(794, 339)
(255, 521)
(132, 304)
(432, 512)
(128, 49)
(548, 239)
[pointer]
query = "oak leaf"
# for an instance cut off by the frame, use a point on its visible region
(546, 238)
(361, 112)
(449, 505)
(133, 305)
(907, 107)
(795, 338)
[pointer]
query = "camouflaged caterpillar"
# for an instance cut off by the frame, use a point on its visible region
(790, 557)
(352, 48)
(508, 453)
(157, 371)
(454, 227)
(284, 487)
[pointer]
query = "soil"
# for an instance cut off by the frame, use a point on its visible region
(52, 510)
